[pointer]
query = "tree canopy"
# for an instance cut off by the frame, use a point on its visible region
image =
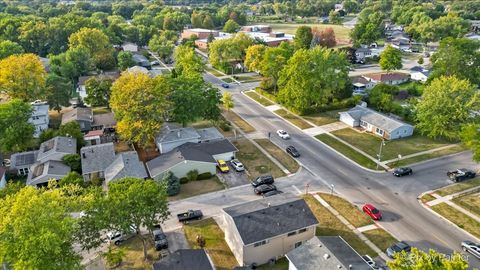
(432, 260)
(16, 133)
(390, 59)
(187, 62)
(303, 37)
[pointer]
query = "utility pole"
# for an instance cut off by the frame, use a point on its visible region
(380, 151)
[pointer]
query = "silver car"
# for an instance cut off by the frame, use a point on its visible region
(237, 165)
(471, 247)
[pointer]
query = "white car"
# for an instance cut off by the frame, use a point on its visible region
(283, 134)
(117, 237)
(237, 165)
(472, 248)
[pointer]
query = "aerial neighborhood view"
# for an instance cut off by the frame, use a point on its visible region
(228, 134)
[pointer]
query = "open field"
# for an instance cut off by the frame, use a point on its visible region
(455, 188)
(354, 215)
(297, 121)
(461, 220)
(341, 33)
(193, 188)
(281, 155)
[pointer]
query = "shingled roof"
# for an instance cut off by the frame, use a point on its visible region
(374, 118)
(125, 164)
(185, 259)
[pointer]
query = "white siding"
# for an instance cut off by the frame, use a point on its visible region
(225, 156)
(233, 239)
(401, 132)
(181, 169)
(3, 182)
(347, 119)
(291, 266)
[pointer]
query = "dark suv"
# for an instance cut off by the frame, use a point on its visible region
(264, 189)
(398, 247)
(160, 238)
(262, 180)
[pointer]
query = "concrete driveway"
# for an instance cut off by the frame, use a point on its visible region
(233, 178)
(176, 240)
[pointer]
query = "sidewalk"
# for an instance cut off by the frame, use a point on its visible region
(447, 199)
(420, 153)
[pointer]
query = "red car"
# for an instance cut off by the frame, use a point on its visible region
(372, 211)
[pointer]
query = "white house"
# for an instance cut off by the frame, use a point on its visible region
(376, 123)
(39, 117)
(391, 78)
(130, 47)
(418, 73)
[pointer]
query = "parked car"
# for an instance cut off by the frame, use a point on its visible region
(237, 165)
(371, 262)
(283, 134)
(272, 193)
(471, 247)
(264, 189)
(225, 85)
(460, 175)
(402, 171)
(155, 63)
(293, 151)
(398, 247)
(372, 211)
(117, 237)
(190, 215)
(222, 166)
(159, 238)
(262, 180)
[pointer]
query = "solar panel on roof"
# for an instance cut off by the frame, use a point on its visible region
(25, 159)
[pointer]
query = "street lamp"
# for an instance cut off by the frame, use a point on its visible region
(332, 186)
(379, 155)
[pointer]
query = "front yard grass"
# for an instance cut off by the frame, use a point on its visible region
(249, 78)
(238, 121)
(342, 33)
(370, 143)
(323, 118)
(215, 72)
(332, 226)
(266, 94)
(347, 151)
(461, 220)
(440, 153)
(255, 161)
(279, 154)
(133, 259)
(280, 264)
(258, 98)
(381, 238)
(354, 215)
(297, 121)
(458, 187)
(215, 244)
(470, 202)
(194, 188)
(427, 198)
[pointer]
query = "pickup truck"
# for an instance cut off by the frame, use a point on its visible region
(190, 215)
(460, 175)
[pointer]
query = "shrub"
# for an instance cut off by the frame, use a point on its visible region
(183, 180)
(73, 161)
(72, 178)
(224, 125)
(173, 184)
(204, 176)
(114, 257)
(192, 175)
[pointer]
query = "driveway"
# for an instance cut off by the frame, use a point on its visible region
(176, 240)
(233, 178)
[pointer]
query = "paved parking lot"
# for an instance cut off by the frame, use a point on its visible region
(233, 178)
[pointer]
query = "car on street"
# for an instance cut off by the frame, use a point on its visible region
(398, 247)
(264, 189)
(262, 180)
(159, 238)
(222, 166)
(117, 237)
(237, 165)
(460, 175)
(225, 85)
(189, 215)
(283, 134)
(471, 247)
(293, 151)
(272, 193)
(372, 211)
(402, 171)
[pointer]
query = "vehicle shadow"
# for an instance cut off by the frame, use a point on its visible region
(388, 216)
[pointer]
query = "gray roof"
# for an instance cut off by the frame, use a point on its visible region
(78, 114)
(106, 120)
(185, 259)
(209, 134)
(326, 253)
(375, 118)
(23, 159)
(269, 217)
(181, 134)
(59, 144)
(109, 75)
(43, 172)
(97, 158)
(212, 148)
(125, 164)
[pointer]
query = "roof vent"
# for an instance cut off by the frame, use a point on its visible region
(268, 204)
(350, 266)
(319, 245)
(278, 223)
(339, 266)
(326, 256)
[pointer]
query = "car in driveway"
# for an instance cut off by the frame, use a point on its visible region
(117, 237)
(225, 85)
(402, 171)
(398, 247)
(264, 189)
(160, 238)
(371, 262)
(272, 193)
(471, 247)
(283, 134)
(372, 211)
(222, 166)
(237, 165)
(293, 151)
(460, 175)
(263, 180)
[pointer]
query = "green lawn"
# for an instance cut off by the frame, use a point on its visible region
(227, 80)
(194, 188)
(238, 121)
(280, 264)
(133, 259)
(354, 215)
(461, 220)
(218, 249)
(100, 110)
(470, 202)
(323, 118)
(440, 153)
(370, 144)
(214, 72)
(266, 94)
(249, 78)
(281, 155)
(412, 85)
(381, 238)
(332, 226)
(347, 151)
(455, 188)
(260, 99)
(341, 33)
(427, 198)
(297, 121)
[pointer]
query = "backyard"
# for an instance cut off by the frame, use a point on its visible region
(285, 159)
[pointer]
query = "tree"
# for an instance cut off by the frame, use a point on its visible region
(231, 26)
(73, 63)
(96, 43)
(470, 136)
(208, 22)
(274, 60)
(227, 101)
(72, 129)
(16, 133)
(23, 76)
(381, 97)
(420, 61)
(8, 48)
(47, 134)
(432, 260)
(72, 178)
(439, 113)
(11, 188)
(34, 218)
(459, 57)
(369, 27)
(98, 91)
(73, 161)
(324, 38)
(334, 17)
(254, 57)
(173, 184)
(58, 91)
(125, 60)
(223, 52)
(162, 45)
(139, 104)
(303, 37)
(390, 59)
(187, 62)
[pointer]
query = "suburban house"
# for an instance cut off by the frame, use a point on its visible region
(191, 156)
(362, 53)
(56, 148)
(95, 159)
(41, 173)
(84, 117)
(199, 33)
(185, 259)
(402, 44)
(3, 181)
(21, 162)
(141, 60)
(150, 72)
(361, 85)
(104, 121)
(326, 253)
(93, 137)
(170, 138)
(264, 230)
(130, 47)
(257, 28)
(418, 73)
(81, 85)
(376, 123)
(125, 164)
(391, 78)
(39, 117)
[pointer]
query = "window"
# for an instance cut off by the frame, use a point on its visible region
(302, 230)
(291, 233)
(261, 243)
(379, 131)
(298, 244)
(363, 124)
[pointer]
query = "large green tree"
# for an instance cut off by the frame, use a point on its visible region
(369, 27)
(16, 133)
(274, 60)
(254, 57)
(125, 60)
(8, 48)
(58, 91)
(432, 260)
(390, 59)
(187, 62)
(303, 37)
(72, 129)
(163, 44)
(98, 91)
(231, 26)
(381, 97)
(224, 52)
(96, 43)
(470, 136)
